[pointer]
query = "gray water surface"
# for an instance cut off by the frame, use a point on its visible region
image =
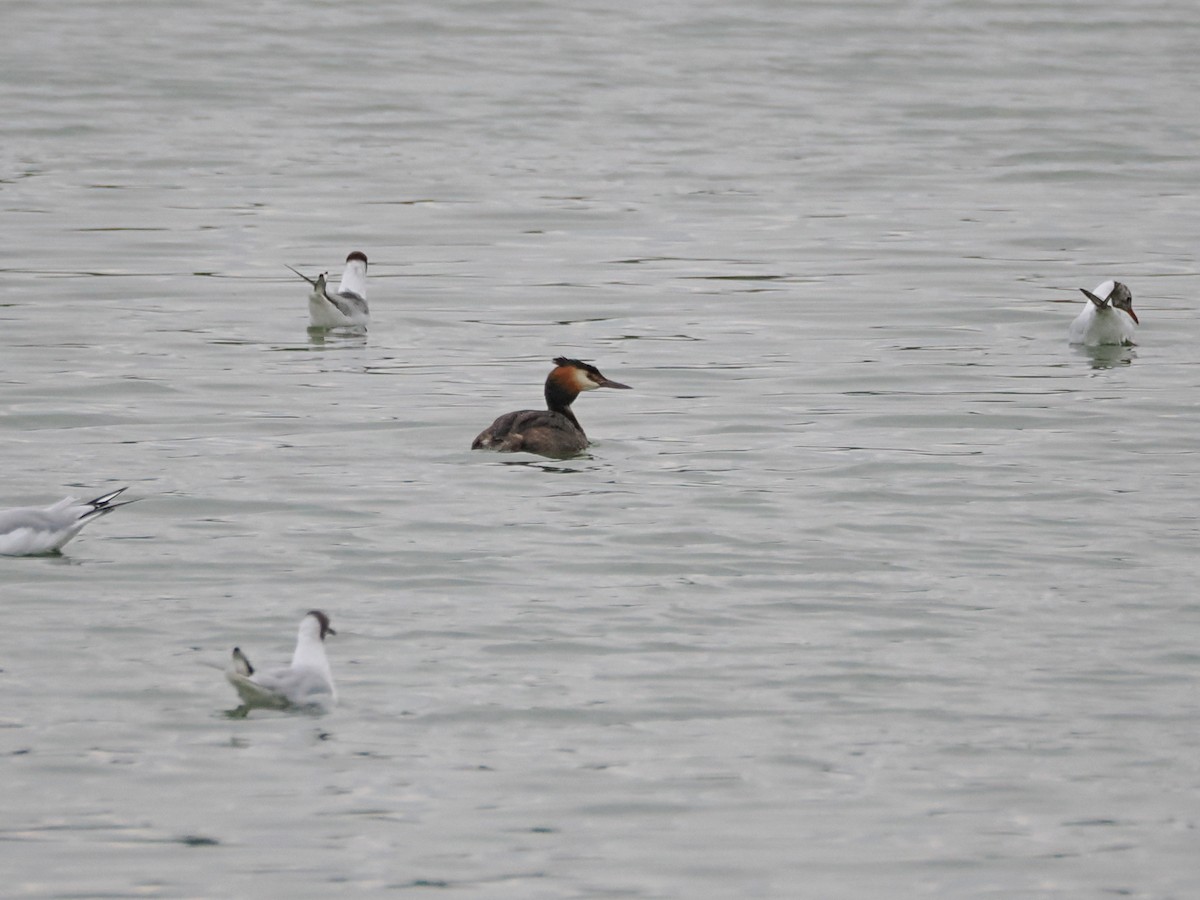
(871, 587)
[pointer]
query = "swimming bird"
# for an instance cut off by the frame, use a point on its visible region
(1108, 317)
(348, 304)
(29, 530)
(306, 684)
(553, 431)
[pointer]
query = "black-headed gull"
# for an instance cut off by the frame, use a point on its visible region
(1108, 317)
(30, 530)
(305, 684)
(347, 306)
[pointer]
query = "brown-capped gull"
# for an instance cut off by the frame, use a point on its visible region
(345, 307)
(306, 684)
(1108, 317)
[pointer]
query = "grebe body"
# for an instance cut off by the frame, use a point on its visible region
(553, 431)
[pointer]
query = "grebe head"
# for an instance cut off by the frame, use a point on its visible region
(358, 256)
(573, 375)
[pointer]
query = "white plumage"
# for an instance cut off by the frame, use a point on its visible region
(1108, 317)
(305, 684)
(345, 307)
(30, 530)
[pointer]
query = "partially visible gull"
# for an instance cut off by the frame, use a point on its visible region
(306, 684)
(1108, 317)
(347, 306)
(30, 530)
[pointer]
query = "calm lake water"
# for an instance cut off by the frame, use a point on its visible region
(871, 587)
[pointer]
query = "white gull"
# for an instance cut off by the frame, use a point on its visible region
(306, 684)
(1108, 317)
(30, 530)
(347, 306)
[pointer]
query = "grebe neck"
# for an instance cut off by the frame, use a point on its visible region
(559, 400)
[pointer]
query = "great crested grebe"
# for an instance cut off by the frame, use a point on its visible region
(29, 530)
(307, 683)
(348, 304)
(553, 431)
(1108, 317)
